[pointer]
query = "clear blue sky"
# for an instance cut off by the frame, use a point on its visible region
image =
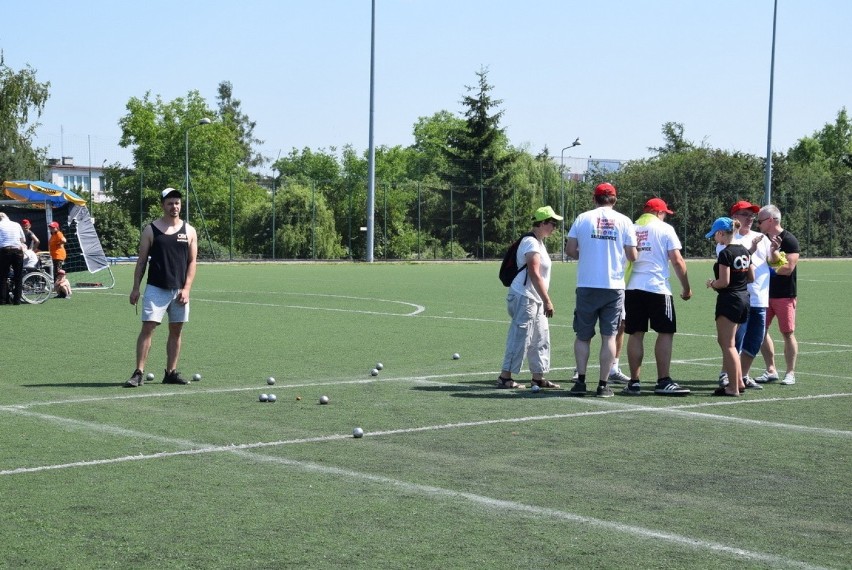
(609, 71)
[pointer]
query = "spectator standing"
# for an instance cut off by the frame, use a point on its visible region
(648, 298)
(11, 258)
(56, 245)
(30, 238)
(732, 271)
(530, 305)
(782, 296)
(603, 241)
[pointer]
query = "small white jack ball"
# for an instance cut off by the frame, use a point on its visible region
(379, 366)
(324, 399)
(536, 388)
(357, 432)
(270, 380)
(456, 356)
(374, 372)
(271, 398)
(196, 377)
(150, 376)
(263, 397)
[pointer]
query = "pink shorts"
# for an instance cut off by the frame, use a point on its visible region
(785, 310)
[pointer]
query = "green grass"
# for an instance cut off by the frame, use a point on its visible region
(450, 474)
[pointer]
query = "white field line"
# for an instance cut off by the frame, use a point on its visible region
(489, 503)
(417, 312)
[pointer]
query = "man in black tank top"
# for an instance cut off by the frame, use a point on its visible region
(172, 246)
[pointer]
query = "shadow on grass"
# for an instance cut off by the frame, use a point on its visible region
(75, 385)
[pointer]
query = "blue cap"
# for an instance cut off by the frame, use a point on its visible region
(726, 224)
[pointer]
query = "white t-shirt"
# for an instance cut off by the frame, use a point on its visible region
(758, 291)
(650, 271)
(601, 236)
(30, 259)
(11, 234)
(527, 245)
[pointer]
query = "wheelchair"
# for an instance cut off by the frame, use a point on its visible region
(36, 287)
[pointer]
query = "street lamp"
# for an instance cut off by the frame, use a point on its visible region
(204, 121)
(562, 190)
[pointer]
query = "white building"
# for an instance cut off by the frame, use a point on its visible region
(77, 178)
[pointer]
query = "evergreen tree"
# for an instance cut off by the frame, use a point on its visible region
(479, 169)
(243, 127)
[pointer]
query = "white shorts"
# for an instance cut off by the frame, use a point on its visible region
(157, 302)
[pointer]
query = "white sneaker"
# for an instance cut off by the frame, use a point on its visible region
(789, 379)
(576, 376)
(618, 377)
(767, 377)
(723, 379)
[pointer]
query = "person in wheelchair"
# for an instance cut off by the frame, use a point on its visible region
(31, 261)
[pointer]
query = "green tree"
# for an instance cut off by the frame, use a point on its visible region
(158, 132)
(479, 169)
(118, 234)
(232, 116)
(698, 183)
(21, 95)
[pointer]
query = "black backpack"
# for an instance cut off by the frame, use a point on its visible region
(509, 268)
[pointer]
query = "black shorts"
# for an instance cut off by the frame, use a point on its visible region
(643, 307)
(733, 306)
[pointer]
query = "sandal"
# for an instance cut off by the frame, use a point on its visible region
(545, 383)
(720, 391)
(508, 383)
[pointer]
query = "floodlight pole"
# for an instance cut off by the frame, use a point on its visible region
(562, 187)
(767, 181)
(371, 161)
(204, 121)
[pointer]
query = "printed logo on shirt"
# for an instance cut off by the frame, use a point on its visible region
(182, 238)
(741, 263)
(642, 243)
(604, 229)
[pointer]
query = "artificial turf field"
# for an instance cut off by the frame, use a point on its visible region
(451, 472)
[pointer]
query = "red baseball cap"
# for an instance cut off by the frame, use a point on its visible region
(25, 222)
(657, 205)
(605, 189)
(744, 205)
(53, 225)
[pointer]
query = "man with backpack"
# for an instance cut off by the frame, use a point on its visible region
(528, 303)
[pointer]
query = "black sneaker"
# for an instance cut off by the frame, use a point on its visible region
(632, 389)
(136, 380)
(604, 392)
(174, 377)
(578, 389)
(668, 387)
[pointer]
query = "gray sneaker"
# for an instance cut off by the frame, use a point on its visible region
(578, 389)
(723, 379)
(604, 392)
(136, 380)
(751, 384)
(767, 377)
(618, 377)
(632, 389)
